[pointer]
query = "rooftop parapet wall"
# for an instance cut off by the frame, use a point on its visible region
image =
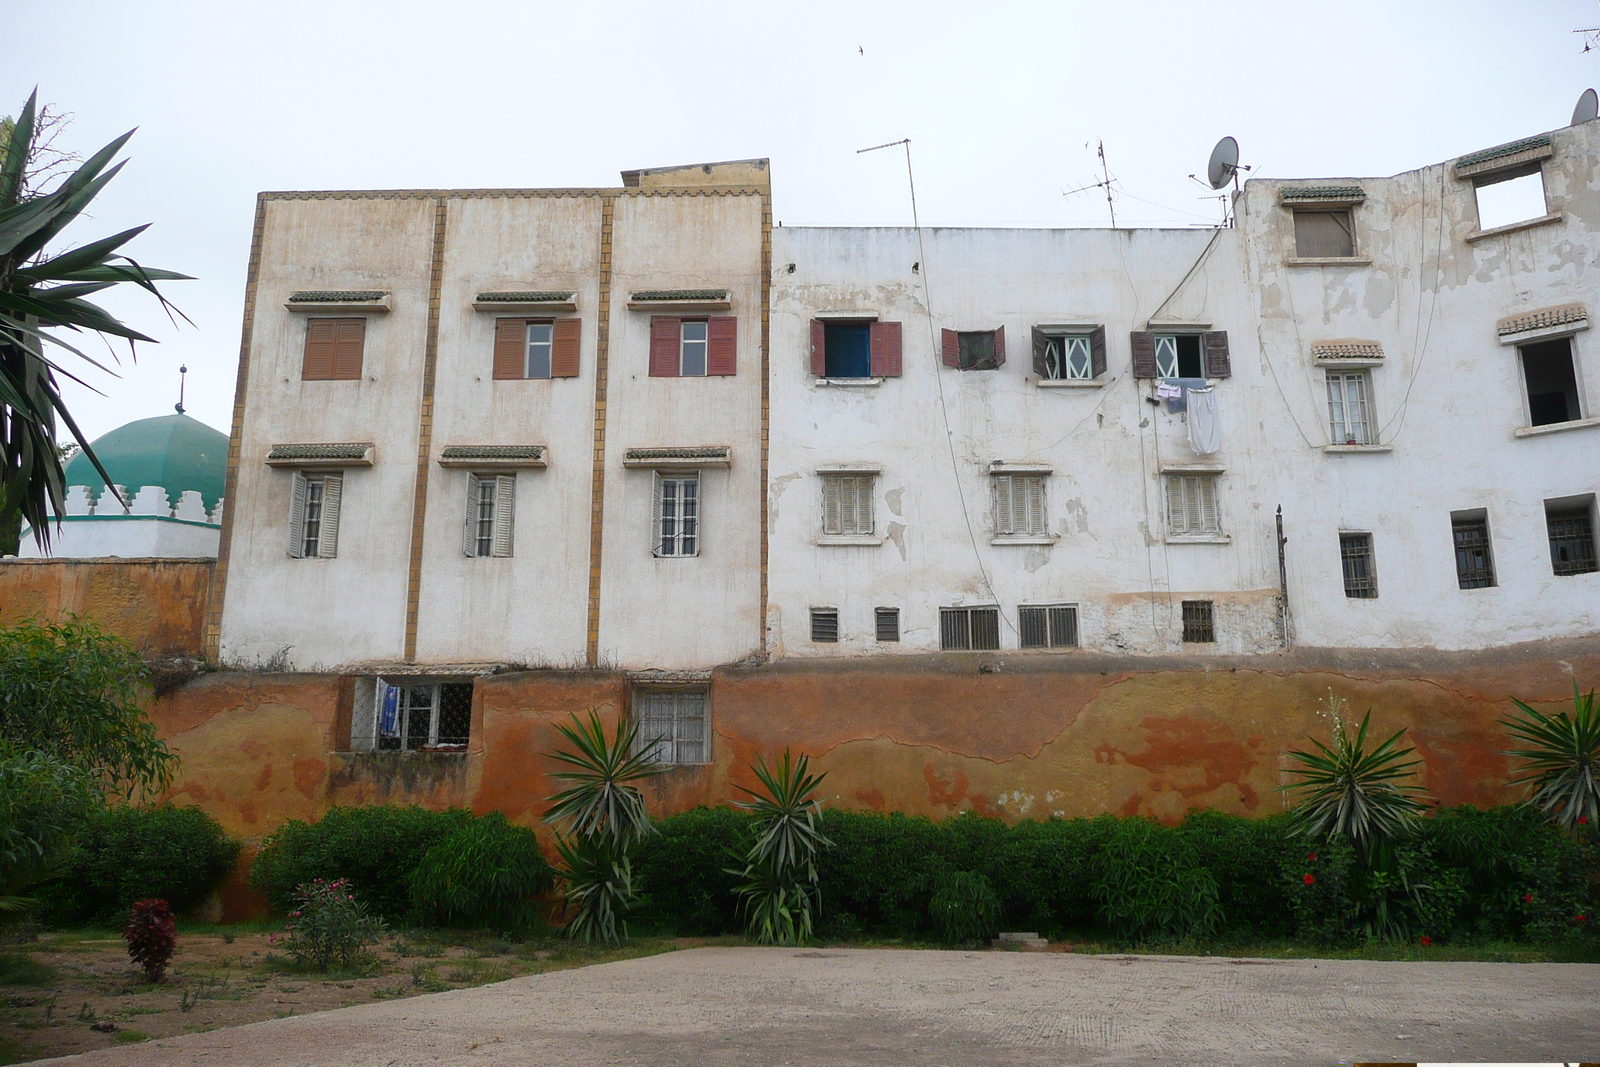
(156, 605)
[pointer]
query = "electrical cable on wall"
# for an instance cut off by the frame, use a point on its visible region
(1438, 279)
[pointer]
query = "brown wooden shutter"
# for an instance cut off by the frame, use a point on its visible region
(349, 338)
(1097, 351)
(885, 345)
(318, 364)
(950, 345)
(564, 348)
(1000, 346)
(510, 349)
(664, 335)
(1144, 353)
(1216, 349)
(819, 348)
(1040, 342)
(722, 348)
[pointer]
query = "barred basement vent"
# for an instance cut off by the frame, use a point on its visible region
(888, 623)
(825, 625)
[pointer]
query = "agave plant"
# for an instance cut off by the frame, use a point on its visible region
(40, 293)
(1562, 769)
(779, 889)
(1366, 796)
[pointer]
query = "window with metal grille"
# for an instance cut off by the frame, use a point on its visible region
(847, 504)
(407, 716)
(1474, 565)
(677, 514)
(1360, 576)
(1197, 622)
(674, 725)
(825, 625)
(1192, 505)
(1019, 509)
(887, 621)
(1048, 626)
(314, 514)
(1571, 538)
(1067, 356)
(1349, 421)
(969, 629)
(491, 508)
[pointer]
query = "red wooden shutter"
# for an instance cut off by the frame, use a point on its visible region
(664, 335)
(1144, 353)
(318, 363)
(510, 348)
(1000, 346)
(1040, 342)
(885, 345)
(1216, 348)
(819, 348)
(348, 339)
(722, 347)
(1097, 351)
(950, 345)
(564, 348)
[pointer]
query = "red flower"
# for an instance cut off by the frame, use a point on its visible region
(1426, 940)
(1312, 858)
(1307, 879)
(1583, 820)
(1527, 898)
(1577, 918)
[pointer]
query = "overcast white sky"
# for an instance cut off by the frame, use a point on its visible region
(1003, 101)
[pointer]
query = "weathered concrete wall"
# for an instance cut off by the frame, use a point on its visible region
(156, 605)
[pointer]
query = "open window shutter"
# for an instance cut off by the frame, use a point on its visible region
(1144, 353)
(510, 349)
(469, 532)
(1097, 351)
(722, 345)
(505, 510)
(318, 363)
(328, 541)
(349, 338)
(1216, 349)
(885, 344)
(1036, 526)
(297, 517)
(1174, 504)
(1002, 504)
(1041, 343)
(1000, 346)
(819, 348)
(564, 348)
(830, 504)
(950, 347)
(864, 522)
(664, 334)
(1208, 504)
(655, 515)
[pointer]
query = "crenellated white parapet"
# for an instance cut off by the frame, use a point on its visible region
(216, 512)
(79, 502)
(152, 500)
(113, 501)
(190, 507)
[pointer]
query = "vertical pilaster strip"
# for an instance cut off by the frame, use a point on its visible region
(230, 486)
(766, 393)
(602, 357)
(430, 363)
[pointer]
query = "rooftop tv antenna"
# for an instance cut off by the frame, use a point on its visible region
(1105, 183)
(1225, 165)
(1588, 108)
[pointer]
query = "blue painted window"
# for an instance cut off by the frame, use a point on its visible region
(848, 349)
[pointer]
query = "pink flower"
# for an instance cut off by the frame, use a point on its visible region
(272, 939)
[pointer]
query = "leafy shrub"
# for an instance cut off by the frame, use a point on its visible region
(374, 849)
(151, 936)
(329, 925)
(681, 872)
(483, 873)
(124, 854)
(964, 907)
(1150, 882)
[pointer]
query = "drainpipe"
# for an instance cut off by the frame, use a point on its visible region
(1285, 627)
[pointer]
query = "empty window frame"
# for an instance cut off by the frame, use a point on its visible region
(1198, 624)
(1550, 377)
(1065, 355)
(825, 625)
(1192, 506)
(1324, 234)
(1048, 625)
(1571, 529)
(676, 514)
(693, 348)
(1349, 408)
(1474, 560)
(674, 725)
(535, 348)
(1360, 573)
(334, 349)
(491, 514)
(886, 623)
(847, 504)
(974, 349)
(1019, 506)
(411, 716)
(1510, 197)
(314, 514)
(969, 629)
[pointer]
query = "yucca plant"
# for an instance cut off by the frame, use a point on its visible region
(40, 293)
(1365, 796)
(1562, 760)
(778, 893)
(599, 887)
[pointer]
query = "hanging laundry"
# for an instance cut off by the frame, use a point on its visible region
(388, 709)
(1176, 400)
(1205, 427)
(1167, 388)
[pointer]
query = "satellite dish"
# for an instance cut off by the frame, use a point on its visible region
(1588, 107)
(1224, 162)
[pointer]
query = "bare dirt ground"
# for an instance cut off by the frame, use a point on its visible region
(774, 1006)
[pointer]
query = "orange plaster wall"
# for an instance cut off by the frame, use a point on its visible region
(156, 605)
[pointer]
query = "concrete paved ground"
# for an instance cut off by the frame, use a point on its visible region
(773, 1006)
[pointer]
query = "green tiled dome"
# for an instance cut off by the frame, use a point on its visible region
(174, 451)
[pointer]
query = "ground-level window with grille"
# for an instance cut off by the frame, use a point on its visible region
(825, 625)
(1571, 529)
(1048, 626)
(1474, 565)
(887, 623)
(1360, 576)
(674, 725)
(1198, 627)
(401, 715)
(969, 629)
